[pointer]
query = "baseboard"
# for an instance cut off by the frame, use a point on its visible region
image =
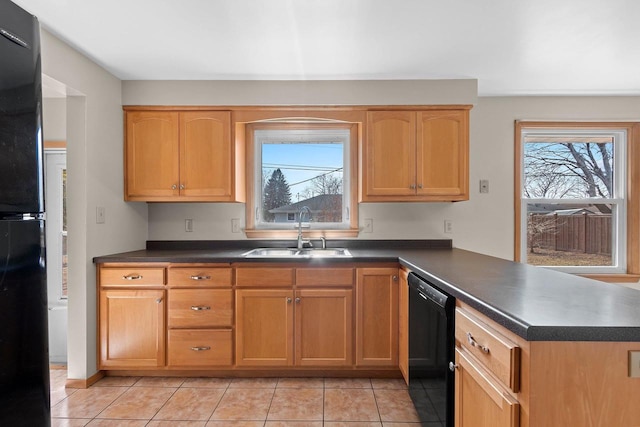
(86, 383)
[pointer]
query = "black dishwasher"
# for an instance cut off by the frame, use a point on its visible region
(431, 348)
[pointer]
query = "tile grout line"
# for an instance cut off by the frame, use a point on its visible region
(219, 401)
(167, 401)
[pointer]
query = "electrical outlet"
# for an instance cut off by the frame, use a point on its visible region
(235, 225)
(188, 225)
(484, 185)
(368, 225)
(448, 226)
(100, 215)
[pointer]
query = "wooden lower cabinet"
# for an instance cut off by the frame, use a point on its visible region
(323, 327)
(264, 327)
(132, 328)
(267, 318)
(480, 400)
(377, 317)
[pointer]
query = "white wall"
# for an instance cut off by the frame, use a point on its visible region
(54, 114)
(95, 178)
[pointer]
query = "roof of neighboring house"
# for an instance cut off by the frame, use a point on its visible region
(316, 204)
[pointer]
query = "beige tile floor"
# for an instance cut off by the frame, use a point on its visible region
(218, 402)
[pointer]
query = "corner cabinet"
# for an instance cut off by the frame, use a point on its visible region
(181, 156)
(416, 156)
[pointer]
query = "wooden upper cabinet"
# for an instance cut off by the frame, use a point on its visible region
(416, 156)
(180, 156)
(151, 155)
(205, 154)
(390, 152)
(443, 154)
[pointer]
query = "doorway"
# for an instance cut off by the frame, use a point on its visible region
(56, 235)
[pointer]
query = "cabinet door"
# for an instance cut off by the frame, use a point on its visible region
(403, 327)
(390, 153)
(323, 324)
(206, 155)
(480, 401)
(264, 327)
(442, 154)
(131, 328)
(377, 317)
(152, 155)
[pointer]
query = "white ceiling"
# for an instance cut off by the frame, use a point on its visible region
(511, 46)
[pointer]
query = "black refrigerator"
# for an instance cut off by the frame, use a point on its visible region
(24, 358)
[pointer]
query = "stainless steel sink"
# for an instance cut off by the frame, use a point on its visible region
(297, 253)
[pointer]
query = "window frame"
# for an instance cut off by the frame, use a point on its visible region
(630, 268)
(350, 229)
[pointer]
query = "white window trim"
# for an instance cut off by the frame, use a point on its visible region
(619, 220)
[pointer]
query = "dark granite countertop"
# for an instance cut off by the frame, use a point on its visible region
(535, 303)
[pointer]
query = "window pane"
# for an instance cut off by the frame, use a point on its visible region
(302, 174)
(568, 167)
(569, 235)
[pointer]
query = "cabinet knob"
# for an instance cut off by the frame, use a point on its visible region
(420, 186)
(159, 300)
(395, 278)
(298, 300)
(453, 366)
(182, 186)
(174, 187)
(288, 300)
(412, 186)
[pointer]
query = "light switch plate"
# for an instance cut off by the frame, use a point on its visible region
(634, 364)
(100, 215)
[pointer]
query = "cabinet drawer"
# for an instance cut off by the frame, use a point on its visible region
(273, 277)
(324, 277)
(200, 308)
(199, 347)
(131, 276)
(500, 355)
(199, 277)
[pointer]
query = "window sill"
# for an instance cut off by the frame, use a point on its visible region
(308, 234)
(613, 278)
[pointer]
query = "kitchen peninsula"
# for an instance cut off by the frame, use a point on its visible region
(575, 338)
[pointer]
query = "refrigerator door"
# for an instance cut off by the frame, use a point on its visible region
(20, 112)
(24, 357)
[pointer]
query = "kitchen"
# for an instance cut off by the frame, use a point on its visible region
(95, 144)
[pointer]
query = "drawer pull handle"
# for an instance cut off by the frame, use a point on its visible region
(200, 307)
(205, 348)
(132, 277)
(476, 344)
(200, 277)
